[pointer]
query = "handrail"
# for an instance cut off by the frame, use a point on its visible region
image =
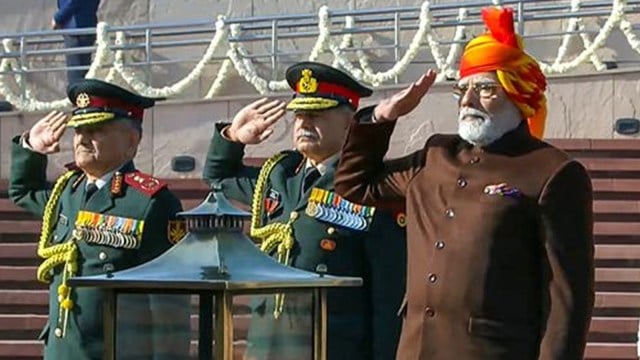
(269, 33)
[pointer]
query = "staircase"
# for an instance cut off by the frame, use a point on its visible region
(613, 164)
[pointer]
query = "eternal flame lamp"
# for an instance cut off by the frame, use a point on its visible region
(215, 261)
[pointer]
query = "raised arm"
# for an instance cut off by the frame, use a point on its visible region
(223, 165)
(362, 175)
(28, 186)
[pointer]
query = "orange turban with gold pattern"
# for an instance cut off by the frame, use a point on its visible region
(502, 50)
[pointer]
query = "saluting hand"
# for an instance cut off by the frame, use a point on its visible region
(403, 102)
(252, 124)
(45, 135)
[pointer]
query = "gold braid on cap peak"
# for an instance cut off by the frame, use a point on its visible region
(311, 103)
(90, 118)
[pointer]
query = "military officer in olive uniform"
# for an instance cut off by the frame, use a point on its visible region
(102, 215)
(303, 223)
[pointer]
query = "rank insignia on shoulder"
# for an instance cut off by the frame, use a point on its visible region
(176, 230)
(108, 230)
(146, 184)
(72, 166)
(330, 207)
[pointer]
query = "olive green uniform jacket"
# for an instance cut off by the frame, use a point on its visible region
(149, 201)
(362, 322)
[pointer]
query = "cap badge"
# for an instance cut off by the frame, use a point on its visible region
(307, 84)
(83, 100)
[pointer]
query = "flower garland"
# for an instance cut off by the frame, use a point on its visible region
(26, 103)
(617, 13)
(134, 81)
(575, 24)
(242, 62)
(102, 51)
(240, 59)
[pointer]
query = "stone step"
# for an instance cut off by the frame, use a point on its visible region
(32, 349)
(611, 351)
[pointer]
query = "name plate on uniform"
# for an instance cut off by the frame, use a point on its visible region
(330, 207)
(108, 230)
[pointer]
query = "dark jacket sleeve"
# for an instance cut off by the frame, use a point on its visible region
(28, 186)
(66, 11)
(223, 166)
(362, 175)
(567, 234)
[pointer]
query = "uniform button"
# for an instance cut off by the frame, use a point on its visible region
(103, 256)
(462, 182)
(322, 269)
(474, 160)
(331, 230)
(294, 215)
(432, 278)
(108, 268)
(327, 244)
(429, 311)
(57, 332)
(401, 219)
(55, 237)
(449, 213)
(439, 245)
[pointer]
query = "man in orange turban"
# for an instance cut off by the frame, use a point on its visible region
(499, 222)
(501, 50)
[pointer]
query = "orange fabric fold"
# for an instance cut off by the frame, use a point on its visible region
(501, 50)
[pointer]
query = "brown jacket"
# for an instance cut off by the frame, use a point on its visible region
(489, 276)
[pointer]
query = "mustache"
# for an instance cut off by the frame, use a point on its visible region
(468, 111)
(306, 133)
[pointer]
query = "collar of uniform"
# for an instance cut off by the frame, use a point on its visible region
(104, 180)
(100, 183)
(325, 165)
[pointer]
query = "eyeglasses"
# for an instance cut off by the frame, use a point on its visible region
(484, 90)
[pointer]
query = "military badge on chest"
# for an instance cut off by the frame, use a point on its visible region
(271, 202)
(108, 230)
(176, 230)
(330, 207)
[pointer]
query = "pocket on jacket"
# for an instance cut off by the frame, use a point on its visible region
(499, 329)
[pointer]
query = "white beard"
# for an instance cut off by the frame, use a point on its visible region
(481, 129)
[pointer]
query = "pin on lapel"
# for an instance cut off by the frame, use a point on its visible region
(502, 189)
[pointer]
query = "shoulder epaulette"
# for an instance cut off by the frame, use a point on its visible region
(144, 183)
(291, 159)
(72, 166)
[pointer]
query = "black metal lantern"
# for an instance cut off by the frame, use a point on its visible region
(214, 261)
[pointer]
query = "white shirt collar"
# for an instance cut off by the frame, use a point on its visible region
(323, 166)
(100, 183)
